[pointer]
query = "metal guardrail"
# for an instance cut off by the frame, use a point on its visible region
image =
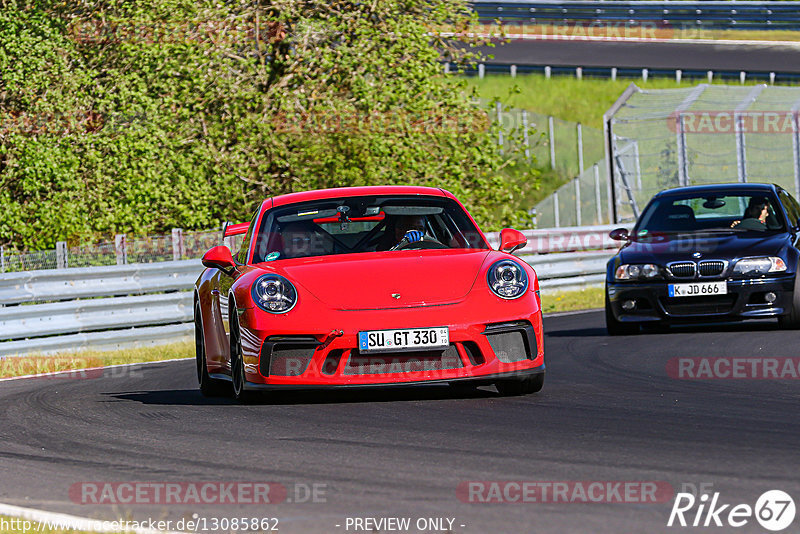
(96, 307)
(769, 15)
(563, 239)
(104, 308)
(86, 282)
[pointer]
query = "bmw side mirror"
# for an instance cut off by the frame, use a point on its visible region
(511, 240)
(620, 234)
(220, 258)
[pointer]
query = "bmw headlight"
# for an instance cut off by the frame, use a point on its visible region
(507, 279)
(758, 266)
(637, 272)
(274, 293)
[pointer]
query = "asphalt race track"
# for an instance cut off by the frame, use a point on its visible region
(652, 55)
(608, 412)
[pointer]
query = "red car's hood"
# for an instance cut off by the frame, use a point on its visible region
(369, 281)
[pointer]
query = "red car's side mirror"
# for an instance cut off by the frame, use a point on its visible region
(511, 240)
(620, 234)
(219, 258)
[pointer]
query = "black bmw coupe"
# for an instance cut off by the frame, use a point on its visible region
(704, 253)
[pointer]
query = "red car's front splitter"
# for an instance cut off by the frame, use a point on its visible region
(477, 352)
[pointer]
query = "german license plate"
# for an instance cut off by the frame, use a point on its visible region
(698, 289)
(405, 339)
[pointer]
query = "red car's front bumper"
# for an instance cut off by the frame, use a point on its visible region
(310, 353)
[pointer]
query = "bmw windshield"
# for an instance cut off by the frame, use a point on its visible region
(728, 213)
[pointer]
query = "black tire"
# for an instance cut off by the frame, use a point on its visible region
(523, 386)
(209, 387)
(617, 328)
(791, 321)
(237, 363)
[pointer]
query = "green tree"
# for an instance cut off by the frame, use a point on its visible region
(137, 116)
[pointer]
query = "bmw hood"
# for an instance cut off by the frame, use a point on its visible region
(399, 279)
(727, 246)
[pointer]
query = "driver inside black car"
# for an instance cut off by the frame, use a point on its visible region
(755, 216)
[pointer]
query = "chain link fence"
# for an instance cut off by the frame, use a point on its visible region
(570, 149)
(700, 135)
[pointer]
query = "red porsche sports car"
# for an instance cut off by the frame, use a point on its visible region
(366, 286)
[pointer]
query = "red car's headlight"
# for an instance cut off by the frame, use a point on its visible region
(274, 293)
(507, 279)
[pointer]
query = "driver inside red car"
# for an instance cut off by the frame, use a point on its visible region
(402, 230)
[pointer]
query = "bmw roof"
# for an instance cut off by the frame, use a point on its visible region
(726, 188)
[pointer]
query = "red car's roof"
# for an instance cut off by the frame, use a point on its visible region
(321, 194)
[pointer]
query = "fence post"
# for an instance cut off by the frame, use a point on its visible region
(177, 244)
(525, 135)
(577, 201)
(552, 142)
(227, 241)
(61, 255)
(121, 249)
(580, 149)
(597, 197)
(555, 209)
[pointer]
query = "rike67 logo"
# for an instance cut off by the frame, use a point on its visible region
(774, 510)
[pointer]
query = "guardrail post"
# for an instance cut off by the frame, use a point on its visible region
(613, 74)
(551, 124)
(513, 70)
(481, 70)
(579, 73)
(678, 75)
(772, 78)
(61, 255)
(178, 251)
(121, 249)
(645, 72)
(2, 259)
(710, 75)
(547, 71)
(742, 77)
(580, 149)
(577, 201)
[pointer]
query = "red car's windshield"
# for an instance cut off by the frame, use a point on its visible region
(364, 224)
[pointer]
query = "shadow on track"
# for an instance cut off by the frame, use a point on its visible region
(192, 397)
(742, 326)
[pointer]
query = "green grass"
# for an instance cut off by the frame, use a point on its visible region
(566, 97)
(584, 299)
(64, 361)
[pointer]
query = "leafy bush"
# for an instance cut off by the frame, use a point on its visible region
(120, 116)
